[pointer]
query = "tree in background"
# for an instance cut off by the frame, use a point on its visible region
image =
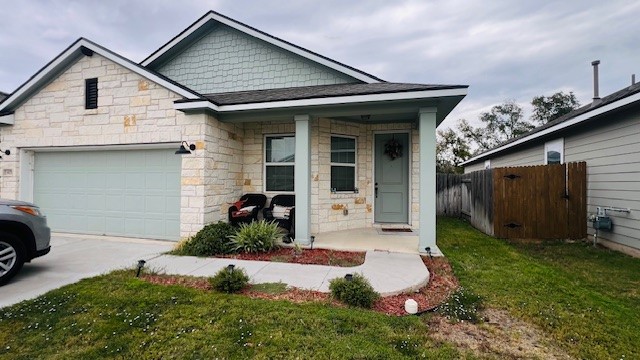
(451, 150)
(503, 122)
(546, 109)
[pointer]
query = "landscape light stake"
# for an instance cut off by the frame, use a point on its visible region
(230, 268)
(428, 250)
(140, 266)
(348, 277)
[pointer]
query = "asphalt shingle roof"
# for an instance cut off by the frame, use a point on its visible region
(319, 91)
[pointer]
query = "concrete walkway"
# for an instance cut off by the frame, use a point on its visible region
(389, 273)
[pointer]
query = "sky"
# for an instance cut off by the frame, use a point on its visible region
(503, 49)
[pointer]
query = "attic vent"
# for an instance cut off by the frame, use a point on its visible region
(91, 93)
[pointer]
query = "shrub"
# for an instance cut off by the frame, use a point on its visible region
(462, 305)
(229, 280)
(258, 236)
(355, 292)
(213, 239)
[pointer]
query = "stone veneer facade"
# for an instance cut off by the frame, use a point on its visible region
(228, 161)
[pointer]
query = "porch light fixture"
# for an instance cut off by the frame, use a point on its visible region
(185, 148)
(140, 266)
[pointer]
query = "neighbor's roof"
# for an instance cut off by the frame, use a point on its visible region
(320, 91)
(194, 31)
(614, 101)
(3, 96)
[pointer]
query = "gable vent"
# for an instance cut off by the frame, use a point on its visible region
(91, 93)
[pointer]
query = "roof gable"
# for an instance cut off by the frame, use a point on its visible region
(211, 19)
(225, 60)
(84, 47)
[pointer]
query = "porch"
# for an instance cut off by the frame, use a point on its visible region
(366, 239)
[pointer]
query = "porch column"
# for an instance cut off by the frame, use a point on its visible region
(302, 181)
(427, 191)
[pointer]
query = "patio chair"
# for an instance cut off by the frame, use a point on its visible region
(282, 211)
(246, 209)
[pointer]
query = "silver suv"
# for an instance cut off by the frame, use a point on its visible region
(24, 235)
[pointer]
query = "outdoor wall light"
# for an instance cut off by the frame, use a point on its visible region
(185, 148)
(140, 266)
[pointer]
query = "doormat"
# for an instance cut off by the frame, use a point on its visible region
(396, 230)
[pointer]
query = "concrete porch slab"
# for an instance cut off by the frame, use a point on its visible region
(365, 239)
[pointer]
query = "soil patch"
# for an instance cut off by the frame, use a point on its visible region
(500, 334)
(306, 256)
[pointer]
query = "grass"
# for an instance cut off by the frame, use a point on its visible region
(119, 316)
(275, 288)
(586, 299)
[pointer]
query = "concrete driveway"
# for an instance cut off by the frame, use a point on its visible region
(74, 257)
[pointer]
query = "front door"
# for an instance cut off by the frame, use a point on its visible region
(391, 192)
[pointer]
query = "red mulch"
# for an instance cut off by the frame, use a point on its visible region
(442, 283)
(307, 256)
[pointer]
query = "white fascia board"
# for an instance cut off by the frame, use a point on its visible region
(578, 119)
(261, 36)
(102, 52)
(8, 119)
(336, 100)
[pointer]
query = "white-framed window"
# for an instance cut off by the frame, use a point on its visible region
(554, 152)
(343, 163)
(487, 164)
(279, 162)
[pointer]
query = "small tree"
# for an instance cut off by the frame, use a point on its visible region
(546, 109)
(451, 150)
(502, 122)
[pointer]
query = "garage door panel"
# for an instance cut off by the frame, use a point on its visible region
(124, 193)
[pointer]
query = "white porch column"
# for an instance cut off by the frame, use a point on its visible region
(427, 191)
(302, 180)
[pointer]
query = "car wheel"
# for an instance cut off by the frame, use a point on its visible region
(11, 256)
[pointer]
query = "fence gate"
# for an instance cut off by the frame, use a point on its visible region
(540, 202)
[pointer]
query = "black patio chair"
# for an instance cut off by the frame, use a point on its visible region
(237, 216)
(283, 221)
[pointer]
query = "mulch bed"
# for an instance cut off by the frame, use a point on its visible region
(307, 256)
(442, 283)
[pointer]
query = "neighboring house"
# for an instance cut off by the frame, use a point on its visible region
(93, 137)
(606, 135)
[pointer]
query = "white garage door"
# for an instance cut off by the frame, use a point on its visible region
(133, 193)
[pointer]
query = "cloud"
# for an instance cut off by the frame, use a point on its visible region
(502, 49)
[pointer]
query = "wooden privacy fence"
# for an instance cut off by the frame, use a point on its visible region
(537, 202)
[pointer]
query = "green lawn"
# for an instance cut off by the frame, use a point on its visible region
(587, 299)
(119, 316)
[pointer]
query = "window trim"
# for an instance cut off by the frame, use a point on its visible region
(87, 83)
(264, 163)
(554, 145)
(354, 165)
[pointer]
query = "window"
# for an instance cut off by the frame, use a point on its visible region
(487, 164)
(343, 163)
(91, 93)
(279, 162)
(554, 152)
